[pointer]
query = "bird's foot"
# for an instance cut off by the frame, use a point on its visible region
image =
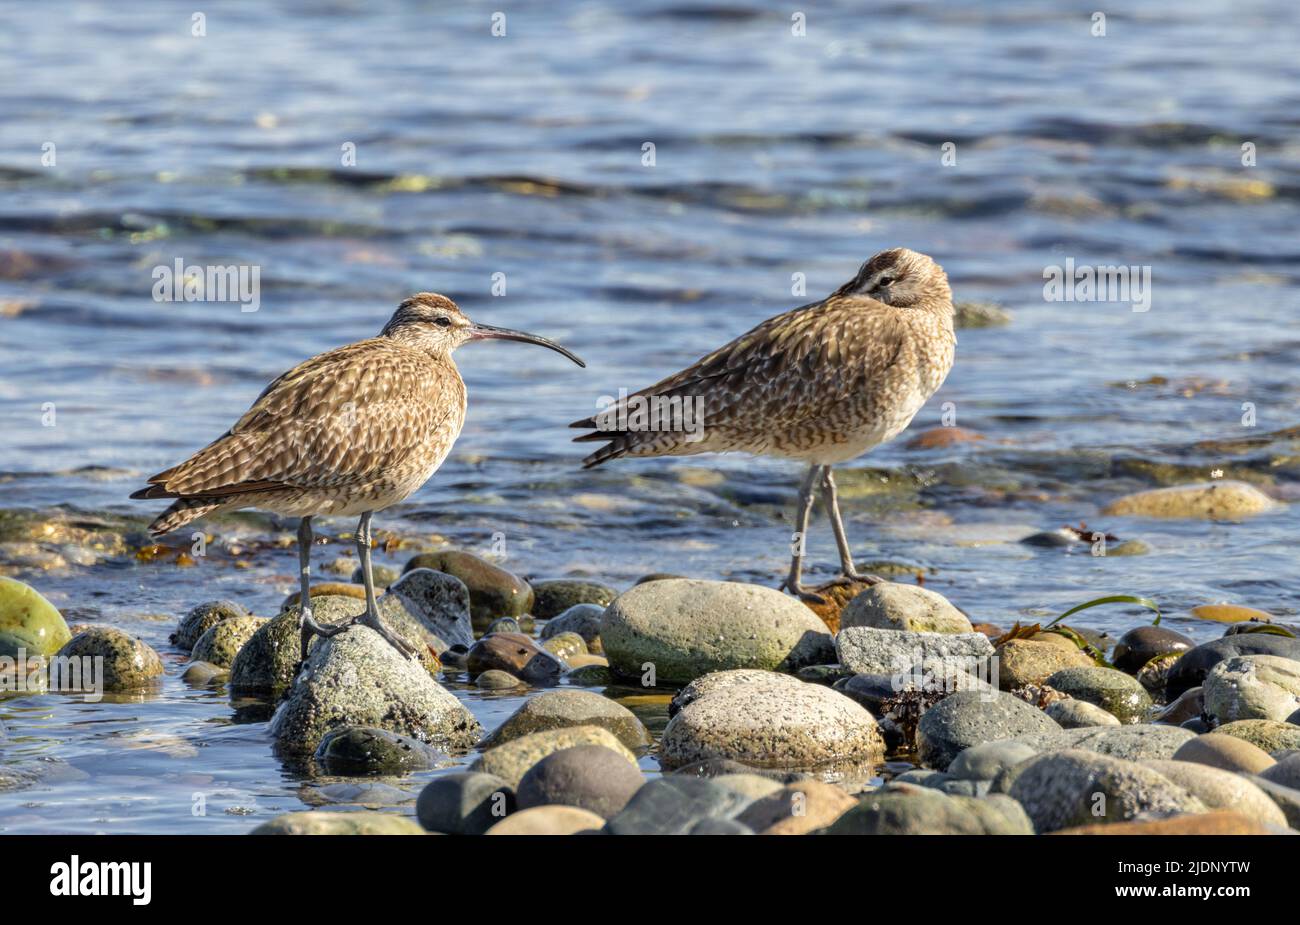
(308, 627)
(372, 620)
(796, 587)
(850, 577)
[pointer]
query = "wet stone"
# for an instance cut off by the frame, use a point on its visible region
(565, 645)
(1195, 663)
(591, 777)
(222, 642)
(555, 597)
(493, 591)
(464, 803)
(1143, 643)
(495, 679)
(516, 654)
(1115, 692)
(583, 619)
(674, 805)
(564, 708)
(201, 619)
(129, 664)
(511, 760)
(358, 750)
(503, 625)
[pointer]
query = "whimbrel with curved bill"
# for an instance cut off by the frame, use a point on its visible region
(346, 433)
(822, 384)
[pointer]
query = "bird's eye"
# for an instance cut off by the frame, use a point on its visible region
(442, 321)
(885, 281)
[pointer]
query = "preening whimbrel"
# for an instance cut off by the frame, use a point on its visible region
(349, 432)
(822, 384)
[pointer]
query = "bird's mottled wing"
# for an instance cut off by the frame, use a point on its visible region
(791, 368)
(338, 419)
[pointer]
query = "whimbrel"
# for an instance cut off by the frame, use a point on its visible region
(822, 384)
(346, 433)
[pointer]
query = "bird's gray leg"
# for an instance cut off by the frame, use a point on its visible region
(848, 573)
(371, 617)
(307, 624)
(793, 582)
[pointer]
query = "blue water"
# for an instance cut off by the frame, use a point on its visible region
(522, 155)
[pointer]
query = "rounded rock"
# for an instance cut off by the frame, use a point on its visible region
(767, 723)
(265, 664)
(1033, 661)
(1226, 500)
(358, 679)
(28, 622)
(222, 642)
(548, 820)
(464, 803)
(516, 654)
(591, 777)
(686, 629)
(359, 750)
(565, 708)
(1219, 789)
(1079, 714)
(968, 718)
(332, 823)
(202, 618)
(1269, 734)
(493, 591)
(1115, 692)
(1143, 643)
(494, 679)
(889, 605)
(129, 664)
(560, 595)
(511, 760)
(1192, 667)
(565, 646)
(1071, 787)
(1225, 752)
(1252, 687)
(583, 619)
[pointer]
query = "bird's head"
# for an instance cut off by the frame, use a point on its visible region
(900, 277)
(435, 323)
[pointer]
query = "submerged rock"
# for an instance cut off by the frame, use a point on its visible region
(493, 591)
(28, 622)
(888, 605)
(129, 664)
(357, 679)
(564, 708)
(766, 722)
(222, 642)
(684, 629)
(357, 750)
(320, 822)
(1226, 500)
(201, 619)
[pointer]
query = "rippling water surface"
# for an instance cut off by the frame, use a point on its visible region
(523, 155)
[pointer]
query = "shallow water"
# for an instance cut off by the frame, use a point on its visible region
(522, 155)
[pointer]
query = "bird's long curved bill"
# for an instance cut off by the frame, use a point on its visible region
(488, 332)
